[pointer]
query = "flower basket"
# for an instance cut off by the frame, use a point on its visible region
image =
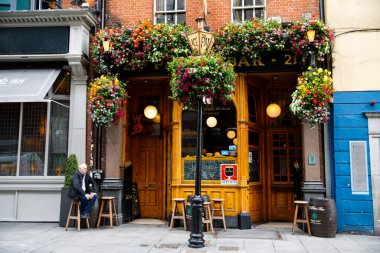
(105, 97)
(311, 100)
(196, 77)
(323, 40)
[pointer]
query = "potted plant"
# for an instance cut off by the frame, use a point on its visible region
(311, 100)
(71, 167)
(197, 77)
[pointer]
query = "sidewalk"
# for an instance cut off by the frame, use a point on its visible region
(135, 238)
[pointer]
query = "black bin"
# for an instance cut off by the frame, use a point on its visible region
(323, 221)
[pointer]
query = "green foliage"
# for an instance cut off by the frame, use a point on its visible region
(71, 167)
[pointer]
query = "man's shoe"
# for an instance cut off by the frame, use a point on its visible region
(85, 216)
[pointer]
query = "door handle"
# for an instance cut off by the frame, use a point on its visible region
(150, 185)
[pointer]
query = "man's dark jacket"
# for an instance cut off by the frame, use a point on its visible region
(75, 190)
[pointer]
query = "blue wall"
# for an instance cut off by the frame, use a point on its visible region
(355, 212)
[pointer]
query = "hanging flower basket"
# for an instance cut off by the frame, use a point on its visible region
(105, 97)
(311, 100)
(196, 77)
(323, 40)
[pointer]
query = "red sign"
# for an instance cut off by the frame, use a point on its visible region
(228, 173)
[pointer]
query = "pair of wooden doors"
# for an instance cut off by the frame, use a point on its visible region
(273, 156)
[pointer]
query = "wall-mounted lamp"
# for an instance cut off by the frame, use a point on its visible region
(311, 35)
(211, 122)
(201, 23)
(231, 134)
(106, 45)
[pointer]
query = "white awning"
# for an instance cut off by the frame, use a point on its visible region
(26, 85)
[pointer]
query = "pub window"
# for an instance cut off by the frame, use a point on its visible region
(253, 105)
(220, 140)
(34, 136)
(243, 10)
(6, 5)
(170, 12)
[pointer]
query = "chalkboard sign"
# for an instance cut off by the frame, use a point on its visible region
(210, 169)
(135, 202)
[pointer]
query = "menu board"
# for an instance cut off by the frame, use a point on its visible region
(210, 169)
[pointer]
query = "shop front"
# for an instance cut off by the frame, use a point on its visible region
(42, 108)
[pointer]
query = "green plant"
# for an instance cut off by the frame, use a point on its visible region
(196, 77)
(71, 167)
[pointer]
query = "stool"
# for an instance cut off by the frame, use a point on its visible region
(207, 219)
(301, 204)
(221, 209)
(111, 210)
(74, 214)
(178, 201)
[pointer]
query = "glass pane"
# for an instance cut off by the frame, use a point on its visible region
(160, 18)
(9, 128)
(259, 2)
(248, 14)
(23, 5)
(160, 5)
(238, 16)
(253, 95)
(283, 166)
(248, 2)
(180, 4)
(33, 139)
(170, 5)
(276, 166)
(254, 165)
(49, 4)
(59, 131)
(5, 5)
(259, 13)
(237, 3)
(181, 18)
(253, 138)
(170, 18)
(62, 85)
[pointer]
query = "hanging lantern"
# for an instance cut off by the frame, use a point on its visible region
(150, 111)
(211, 121)
(231, 134)
(273, 110)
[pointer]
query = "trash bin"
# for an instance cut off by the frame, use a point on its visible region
(323, 221)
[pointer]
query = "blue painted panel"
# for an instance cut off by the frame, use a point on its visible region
(341, 145)
(358, 229)
(361, 219)
(342, 157)
(350, 109)
(363, 97)
(357, 206)
(346, 194)
(353, 121)
(342, 169)
(350, 133)
(343, 181)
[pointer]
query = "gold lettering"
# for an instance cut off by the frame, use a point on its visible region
(232, 60)
(243, 61)
(288, 59)
(258, 61)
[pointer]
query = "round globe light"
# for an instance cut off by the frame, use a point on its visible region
(234, 141)
(273, 110)
(231, 134)
(211, 121)
(150, 111)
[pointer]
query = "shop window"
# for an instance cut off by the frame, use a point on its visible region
(220, 140)
(6, 5)
(9, 134)
(253, 105)
(243, 10)
(170, 12)
(254, 157)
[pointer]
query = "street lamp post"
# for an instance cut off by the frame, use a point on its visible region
(200, 41)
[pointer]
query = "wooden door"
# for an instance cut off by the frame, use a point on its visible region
(147, 167)
(285, 149)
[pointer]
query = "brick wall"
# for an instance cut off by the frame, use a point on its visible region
(128, 12)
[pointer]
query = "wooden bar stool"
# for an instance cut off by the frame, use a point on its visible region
(207, 219)
(178, 201)
(220, 209)
(304, 205)
(111, 210)
(74, 214)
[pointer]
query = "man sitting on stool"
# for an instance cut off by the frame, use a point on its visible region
(81, 189)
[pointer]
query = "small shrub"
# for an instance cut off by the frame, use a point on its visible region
(71, 167)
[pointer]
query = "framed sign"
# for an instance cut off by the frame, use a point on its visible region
(228, 173)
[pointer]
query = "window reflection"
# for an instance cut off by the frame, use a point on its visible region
(218, 140)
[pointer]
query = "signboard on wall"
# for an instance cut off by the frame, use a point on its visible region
(228, 173)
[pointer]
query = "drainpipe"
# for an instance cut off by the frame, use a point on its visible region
(322, 9)
(103, 14)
